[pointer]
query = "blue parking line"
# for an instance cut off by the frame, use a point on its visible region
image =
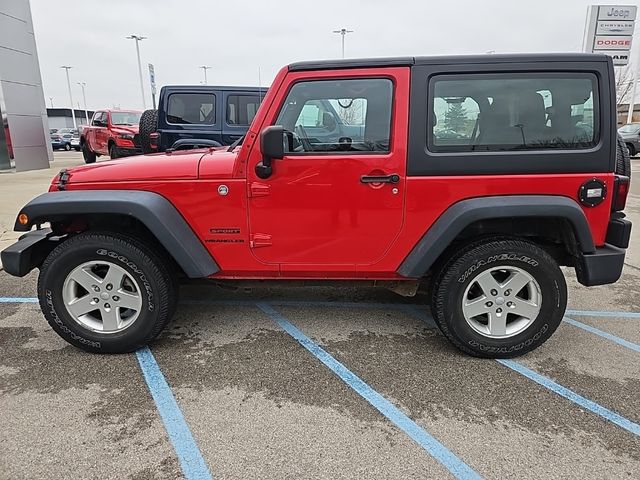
(191, 461)
(581, 401)
(449, 460)
(609, 336)
(602, 313)
(18, 300)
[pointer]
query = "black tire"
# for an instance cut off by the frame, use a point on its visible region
(148, 125)
(623, 160)
(77, 149)
(67, 147)
(150, 269)
(113, 151)
(89, 156)
(632, 149)
(463, 268)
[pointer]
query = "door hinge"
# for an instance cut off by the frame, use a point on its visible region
(257, 189)
(260, 240)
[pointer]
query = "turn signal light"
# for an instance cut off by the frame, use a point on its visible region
(620, 193)
(23, 219)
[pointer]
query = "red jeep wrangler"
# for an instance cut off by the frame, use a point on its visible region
(113, 133)
(477, 175)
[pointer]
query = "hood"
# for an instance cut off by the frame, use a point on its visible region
(218, 163)
(125, 129)
(182, 165)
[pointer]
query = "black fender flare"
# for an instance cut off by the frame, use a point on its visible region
(153, 210)
(449, 225)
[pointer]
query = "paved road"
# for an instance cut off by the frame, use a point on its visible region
(373, 391)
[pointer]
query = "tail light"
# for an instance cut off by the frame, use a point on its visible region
(153, 139)
(620, 192)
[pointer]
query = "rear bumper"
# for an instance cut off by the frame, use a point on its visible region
(605, 265)
(27, 253)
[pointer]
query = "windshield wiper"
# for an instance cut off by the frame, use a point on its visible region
(235, 144)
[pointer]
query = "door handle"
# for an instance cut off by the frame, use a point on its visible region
(392, 178)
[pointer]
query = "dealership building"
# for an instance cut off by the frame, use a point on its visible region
(24, 141)
(61, 117)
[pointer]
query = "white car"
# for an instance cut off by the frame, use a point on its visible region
(75, 143)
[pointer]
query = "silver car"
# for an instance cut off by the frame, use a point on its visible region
(630, 133)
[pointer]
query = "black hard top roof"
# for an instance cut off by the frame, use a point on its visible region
(446, 60)
(209, 88)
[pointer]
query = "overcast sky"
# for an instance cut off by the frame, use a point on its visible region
(238, 37)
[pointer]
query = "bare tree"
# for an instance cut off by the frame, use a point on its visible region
(624, 82)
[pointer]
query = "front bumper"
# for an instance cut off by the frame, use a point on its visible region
(27, 253)
(605, 265)
(128, 152)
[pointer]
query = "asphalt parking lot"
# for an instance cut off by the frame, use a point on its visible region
(324, 383)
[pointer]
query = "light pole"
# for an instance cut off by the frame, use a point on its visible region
(84, 98)
(73, 113)
(204, 69)
(138, 39)
(343, 33)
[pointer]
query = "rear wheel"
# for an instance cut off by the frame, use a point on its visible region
(148, 125)
(106, 293)
(67, 146)
(500, 298)
(632, 149)
(88, 155)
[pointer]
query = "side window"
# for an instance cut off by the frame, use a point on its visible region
(99, 118)
(497, 112)
(191, 109)
(346, 115)
(241, 109)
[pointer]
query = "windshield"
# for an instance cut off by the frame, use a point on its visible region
(630, 128)
(125, 118)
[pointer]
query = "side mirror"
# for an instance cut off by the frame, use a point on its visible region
(272, 147)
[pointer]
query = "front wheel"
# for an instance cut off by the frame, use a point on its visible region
(113, 151)
(499, 298)
(106, 293)
(67, 147)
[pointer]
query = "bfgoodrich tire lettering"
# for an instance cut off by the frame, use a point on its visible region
(158, 290)
(491, 255)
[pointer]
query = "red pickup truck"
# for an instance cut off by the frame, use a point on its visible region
(111, 132)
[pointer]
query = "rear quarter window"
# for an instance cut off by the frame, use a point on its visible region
(191, 109)
(511, 112)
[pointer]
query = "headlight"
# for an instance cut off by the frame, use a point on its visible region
(126, 136)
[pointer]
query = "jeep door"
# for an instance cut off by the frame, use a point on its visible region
(332, 204)
(97, 124)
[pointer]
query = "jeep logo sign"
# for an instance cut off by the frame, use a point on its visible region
(609, 12)
(609, 31)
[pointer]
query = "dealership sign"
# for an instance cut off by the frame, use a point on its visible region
(609, 30)
(152, 78)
